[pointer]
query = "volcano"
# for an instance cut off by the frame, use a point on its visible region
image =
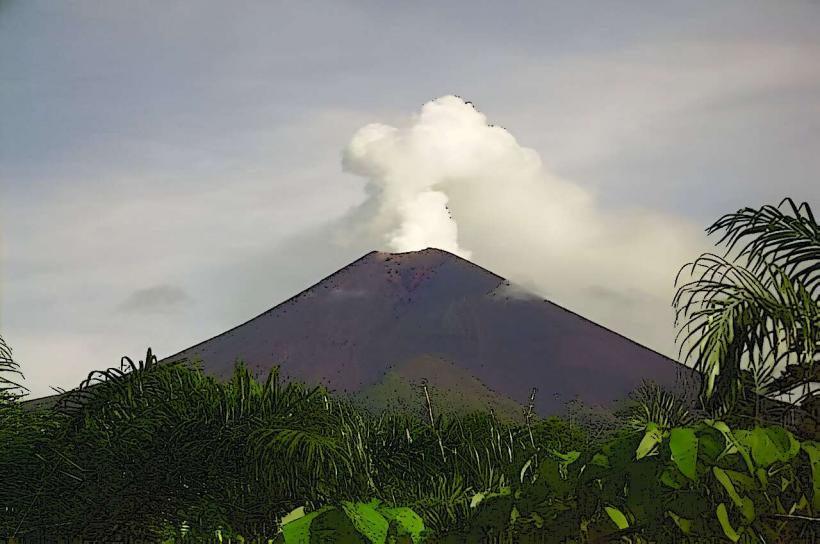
(431, 316)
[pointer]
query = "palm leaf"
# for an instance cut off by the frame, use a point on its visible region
(745, 323)
(773, 236)
(9, 388)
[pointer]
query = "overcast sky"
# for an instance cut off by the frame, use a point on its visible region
(170, 169)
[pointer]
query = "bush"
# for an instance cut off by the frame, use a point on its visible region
(698, 483)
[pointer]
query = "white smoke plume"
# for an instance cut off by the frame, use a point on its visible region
(448, 179)
(410, 169)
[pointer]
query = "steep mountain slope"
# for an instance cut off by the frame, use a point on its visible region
(386, 309)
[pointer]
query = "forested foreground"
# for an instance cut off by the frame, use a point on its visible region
(163, 453)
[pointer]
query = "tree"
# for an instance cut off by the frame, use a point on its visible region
(146, 448)
(750, 319)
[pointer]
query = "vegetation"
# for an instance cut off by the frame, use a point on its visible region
(10, 388)
(153, 451)
(163, 453)
(703, 483)
(751, 318)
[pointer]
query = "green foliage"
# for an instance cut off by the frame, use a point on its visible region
(145, 446)
(648, 445)
(370, 523)
(652, 404)
(297, 530)
(745, 318)
(10, 387)
(683, 445)
(704, 475)
(812, 450)
(617, 517)
(162, 452)
(406, 522)
(702, 480)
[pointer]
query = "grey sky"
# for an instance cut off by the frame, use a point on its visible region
(197, 147)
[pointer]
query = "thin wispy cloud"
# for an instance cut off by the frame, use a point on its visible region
(157, 299)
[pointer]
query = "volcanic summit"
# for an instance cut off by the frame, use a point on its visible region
(432, 315)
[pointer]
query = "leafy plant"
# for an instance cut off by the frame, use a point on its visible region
(744, 319)
(10, 388)
(703, 480)
(351, 522)
(652, 404)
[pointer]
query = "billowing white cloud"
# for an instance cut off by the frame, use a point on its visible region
(449, 179)
(408, 166)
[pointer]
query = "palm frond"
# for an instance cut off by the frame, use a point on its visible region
(9, 387)
(742, 322)
(731, 315)
(788, 239)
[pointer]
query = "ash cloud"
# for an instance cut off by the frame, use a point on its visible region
(447, 178)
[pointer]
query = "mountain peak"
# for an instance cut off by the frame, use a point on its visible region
(388, 308)
(423, 255)
(425, 251)
(429, 259)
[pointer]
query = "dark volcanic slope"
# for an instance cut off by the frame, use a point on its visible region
(385, 309)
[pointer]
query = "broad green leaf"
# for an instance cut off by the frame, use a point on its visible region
(748, 509)
(711, 443)
(298, 530)
(745, 481)
(812, 449)
(744, 504)
(685, 525)
(650, 441)
(684, 446)
(723, 518)
(732, 444)
(769, 444)
(367, 520)
(409, 523)
(723, 478)
(617, 517)
(572, 456)
(566, 458)
(292, 516)
(336, 526)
